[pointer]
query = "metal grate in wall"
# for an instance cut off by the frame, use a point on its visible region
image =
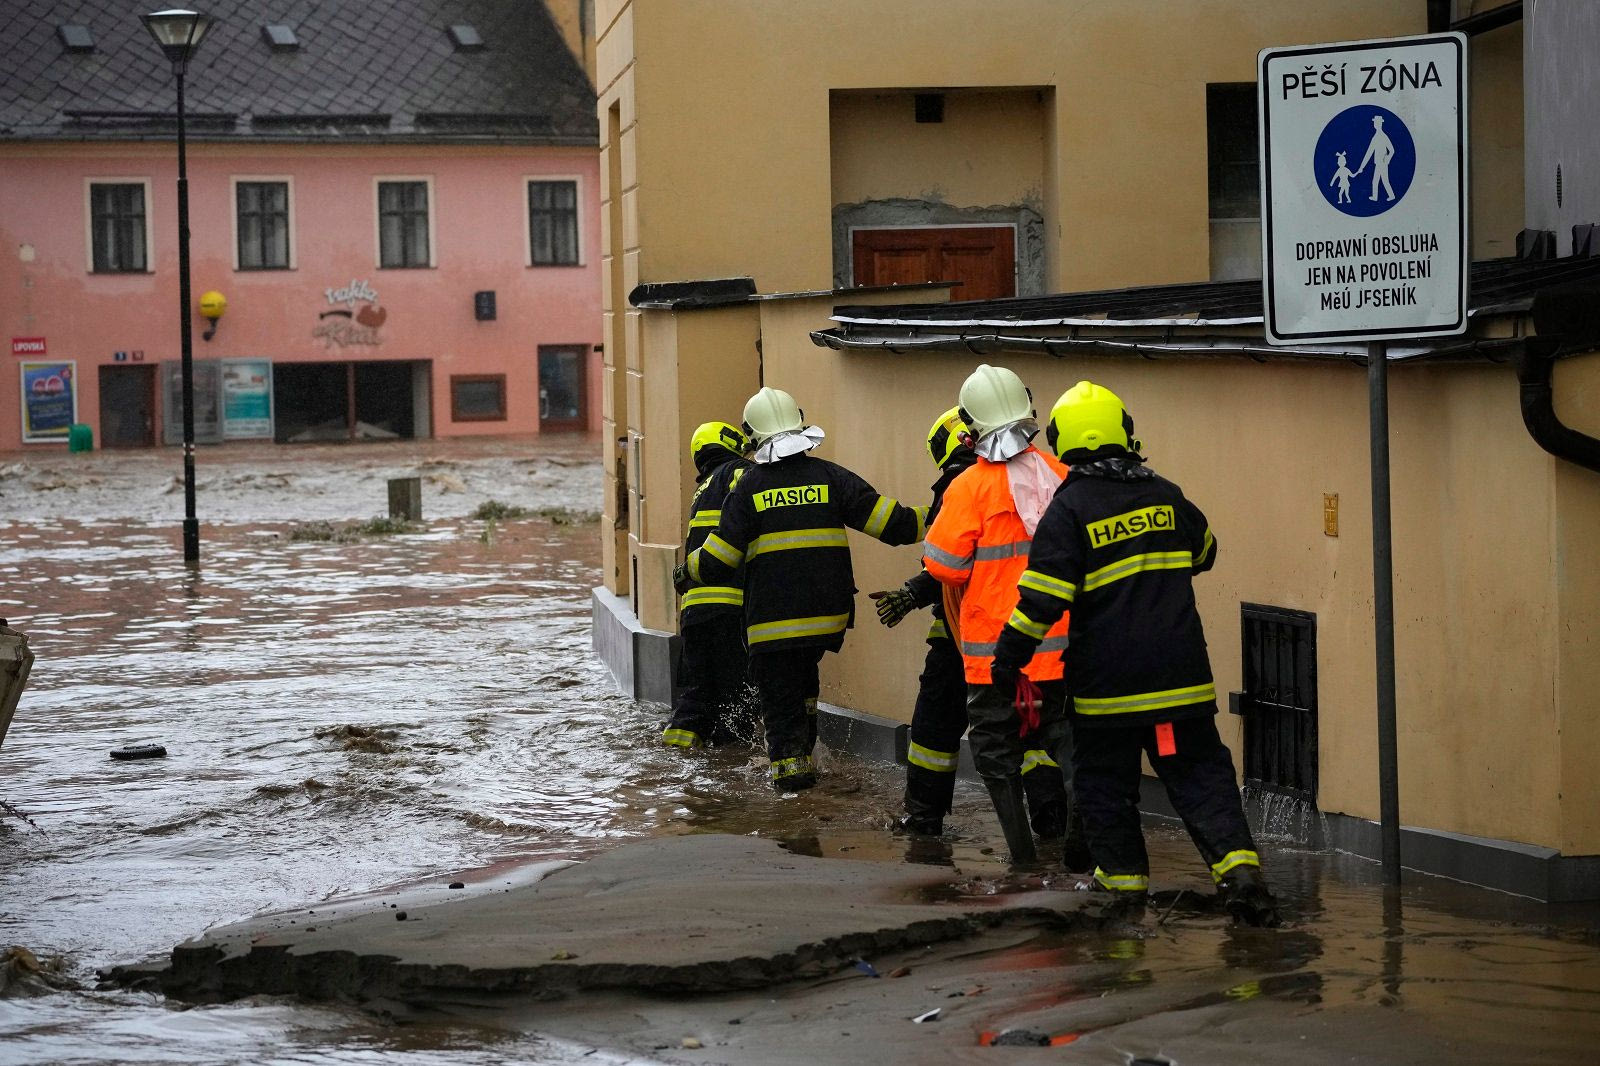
(1279, 700)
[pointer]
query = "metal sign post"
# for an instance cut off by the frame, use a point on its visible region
(1364, 238)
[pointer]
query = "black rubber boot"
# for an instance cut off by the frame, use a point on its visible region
(927, 800)
(1049, 806)
(1245, 896)
(1075, 855)
(1011, 808)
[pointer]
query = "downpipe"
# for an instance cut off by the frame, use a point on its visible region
(1534, 374)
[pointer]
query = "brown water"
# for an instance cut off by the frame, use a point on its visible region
(341, 717)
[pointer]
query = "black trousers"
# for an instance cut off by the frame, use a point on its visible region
(937, 722)
(1043, 757)
(1200, 783)
(787, 682)
(710, 705)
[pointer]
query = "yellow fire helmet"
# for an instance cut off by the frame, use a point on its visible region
(944, 437)
(716, 434)
(1088, 417)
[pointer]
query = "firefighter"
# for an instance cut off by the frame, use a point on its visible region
(711, 617)
(940, 715)
(785, 524)
(977, 548)
(1119, 546)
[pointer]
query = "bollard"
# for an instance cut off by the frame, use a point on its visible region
(15, 662)
(405, 498)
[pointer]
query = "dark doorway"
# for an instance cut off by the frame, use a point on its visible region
(563, 400)
(384, 402)
(982, 258)
(312, 401)
(1279, 701)
(128, 406)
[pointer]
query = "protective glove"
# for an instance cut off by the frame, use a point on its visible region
(1026, 697)
(894, 604)
(681, 581)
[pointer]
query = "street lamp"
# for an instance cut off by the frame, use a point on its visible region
(179, 33)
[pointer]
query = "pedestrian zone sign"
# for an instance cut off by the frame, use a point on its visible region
(1364, 189)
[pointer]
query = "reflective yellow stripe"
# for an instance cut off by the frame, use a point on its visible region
(796, 538)
(1137, 564)
(991, 552)
(1034, 758)
(692, 564)
(944, 558)
(1122, 882)
(1232, 859)
(1145, 701)
(723, 551)
(785, 628)
(680, 738)
(1050, 586)
(709, 594)
(811, 705)
(1205, 550)
(1027, 626)
(943, 762)
(882, 511)
(938, 631)
(800, 764)
(702, 519)
(922, 520)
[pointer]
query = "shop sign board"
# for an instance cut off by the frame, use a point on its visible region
(246, 399)
(1364, 189)
(49, 400)
(28, 346)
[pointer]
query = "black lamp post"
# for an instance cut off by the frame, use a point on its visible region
(179, 33)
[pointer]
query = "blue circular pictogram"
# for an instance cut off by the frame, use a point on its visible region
(1365, 160)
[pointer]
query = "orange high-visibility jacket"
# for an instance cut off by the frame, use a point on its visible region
(979, 546)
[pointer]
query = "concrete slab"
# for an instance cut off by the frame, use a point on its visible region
(690, 914)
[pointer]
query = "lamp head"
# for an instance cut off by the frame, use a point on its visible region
(178, 31)
(212, 306)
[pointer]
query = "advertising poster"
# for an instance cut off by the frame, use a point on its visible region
(246, 399)
(49, 400)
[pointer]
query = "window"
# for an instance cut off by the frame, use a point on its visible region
(478, 397)
(1233, 155)
(263, 224)
(403, 228)
(118, 227)
(1279, 700)
(553, 223)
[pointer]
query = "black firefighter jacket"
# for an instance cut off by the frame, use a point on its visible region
(1119, 546)
(785, 523)
(702, 602)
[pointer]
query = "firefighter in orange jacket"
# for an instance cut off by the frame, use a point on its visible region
(978, 548)
(784, 522)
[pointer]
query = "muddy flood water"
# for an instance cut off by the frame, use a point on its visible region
(348, 711)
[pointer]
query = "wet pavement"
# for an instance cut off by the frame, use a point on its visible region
(346, 716)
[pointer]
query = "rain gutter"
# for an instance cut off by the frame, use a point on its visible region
(1500, 350)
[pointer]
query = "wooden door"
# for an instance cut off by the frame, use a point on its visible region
(983, 259)
(127, 406)
(563, 400)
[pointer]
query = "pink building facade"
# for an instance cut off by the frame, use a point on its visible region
(397, 201)
(353, 348)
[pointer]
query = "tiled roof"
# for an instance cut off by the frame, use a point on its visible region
(380, 69)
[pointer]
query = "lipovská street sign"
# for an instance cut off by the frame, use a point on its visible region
(1364, 189)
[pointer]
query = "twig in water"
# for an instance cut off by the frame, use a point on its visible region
(1163, 919)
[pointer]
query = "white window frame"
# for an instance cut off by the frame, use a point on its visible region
(433, 221)
(527, 222)
(233, 217)
(88, 226)
(1016, 242)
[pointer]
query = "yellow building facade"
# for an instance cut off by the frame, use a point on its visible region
(789, 142)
